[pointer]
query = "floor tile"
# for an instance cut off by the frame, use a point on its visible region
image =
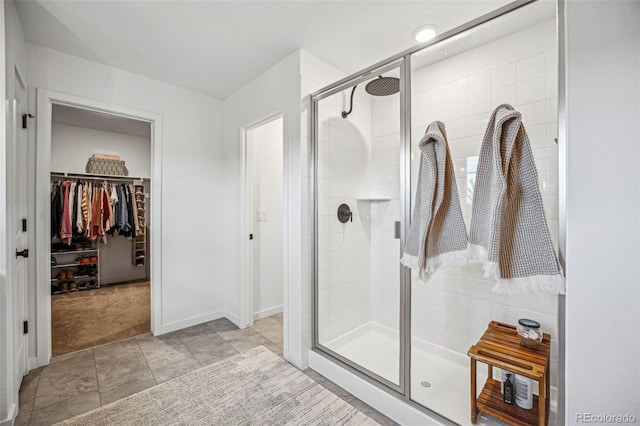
(159, 351)
(223, 324)
(249, 342)
(231, 335)
(209, 348)
(66, 379)
(140, 381)
(81, 381)
(165, 372)
(270, 328)
(66, 409)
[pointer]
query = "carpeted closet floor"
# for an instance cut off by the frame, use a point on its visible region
(85, 319)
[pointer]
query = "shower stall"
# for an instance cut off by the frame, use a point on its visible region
(371, 316)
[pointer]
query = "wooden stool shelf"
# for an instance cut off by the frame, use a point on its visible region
(500, 347)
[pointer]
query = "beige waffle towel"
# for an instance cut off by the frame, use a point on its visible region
(437, 237)
(509, 234)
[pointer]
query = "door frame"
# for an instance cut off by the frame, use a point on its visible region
(246, 288)
(45, 101)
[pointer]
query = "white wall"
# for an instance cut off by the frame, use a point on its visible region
(603, 209)
(315, 73)
(192, 168)
(278, 90)
(72, 146)
(275, 91)
(265, 151)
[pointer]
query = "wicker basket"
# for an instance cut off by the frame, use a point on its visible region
(100, 166)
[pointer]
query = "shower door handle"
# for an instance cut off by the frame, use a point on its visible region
(396, 230)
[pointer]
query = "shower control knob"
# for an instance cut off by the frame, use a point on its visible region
(344, 213)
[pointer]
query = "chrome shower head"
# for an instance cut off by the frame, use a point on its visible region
(383, 86)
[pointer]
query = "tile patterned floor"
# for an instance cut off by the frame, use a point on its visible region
(77, 382)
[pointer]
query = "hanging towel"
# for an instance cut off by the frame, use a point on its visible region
(509, 234)
(437, 236)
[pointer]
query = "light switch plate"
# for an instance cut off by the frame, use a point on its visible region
(263, 215)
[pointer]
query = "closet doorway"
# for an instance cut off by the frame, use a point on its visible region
(265, 221)
(100, 186)
(74, 136)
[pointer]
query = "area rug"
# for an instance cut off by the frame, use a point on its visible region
(255, 387)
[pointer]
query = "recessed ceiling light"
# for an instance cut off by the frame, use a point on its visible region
(424, 33)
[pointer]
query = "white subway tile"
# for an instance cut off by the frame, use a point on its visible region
(504, 313)
(552, 110)
(504, 95)
(552, 86)
(537, 136)
(532, 68)
(477, 126)
(533, 114)
(531, 91)
(479, 83)
(480, 103)
(503, 76)
(480, 310)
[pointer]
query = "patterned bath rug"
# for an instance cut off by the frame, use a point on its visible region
(255, 387)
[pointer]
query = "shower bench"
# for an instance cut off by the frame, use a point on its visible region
(500, 347)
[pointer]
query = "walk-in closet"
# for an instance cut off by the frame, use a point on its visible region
(100, 186)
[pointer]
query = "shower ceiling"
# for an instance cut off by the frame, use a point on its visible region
(216, 47)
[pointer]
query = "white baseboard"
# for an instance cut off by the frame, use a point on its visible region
(8, 421)
(267, 312)
(32, 363)
(188, 322)
(233, 318)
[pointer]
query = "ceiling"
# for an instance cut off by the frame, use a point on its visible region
(216, 47)
(81, 117)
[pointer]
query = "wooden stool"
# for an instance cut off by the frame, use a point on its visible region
(500, 347)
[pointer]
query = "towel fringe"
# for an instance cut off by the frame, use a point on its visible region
(410, 262)
(444, 260)
(525, 285)
(479, 254)
(514, 286)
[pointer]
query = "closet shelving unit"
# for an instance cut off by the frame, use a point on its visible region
(67, 260)
(139, 250)
(139, 243)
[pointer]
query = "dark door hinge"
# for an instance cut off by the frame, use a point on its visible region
(24, 253)
(24, 119)
(25, 327)
(24, 225)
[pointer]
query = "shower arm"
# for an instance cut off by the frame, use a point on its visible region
(345, 114)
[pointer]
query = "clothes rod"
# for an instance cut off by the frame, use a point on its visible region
(88, 176)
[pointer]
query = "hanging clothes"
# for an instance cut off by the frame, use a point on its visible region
(65, 226)
(92, 210)
(56, 209)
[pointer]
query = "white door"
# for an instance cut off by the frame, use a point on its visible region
(17, 212)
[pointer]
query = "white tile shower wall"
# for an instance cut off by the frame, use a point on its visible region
(344, 258)
(384, 182)
(453, 309)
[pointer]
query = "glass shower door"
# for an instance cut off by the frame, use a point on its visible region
(358, 209)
